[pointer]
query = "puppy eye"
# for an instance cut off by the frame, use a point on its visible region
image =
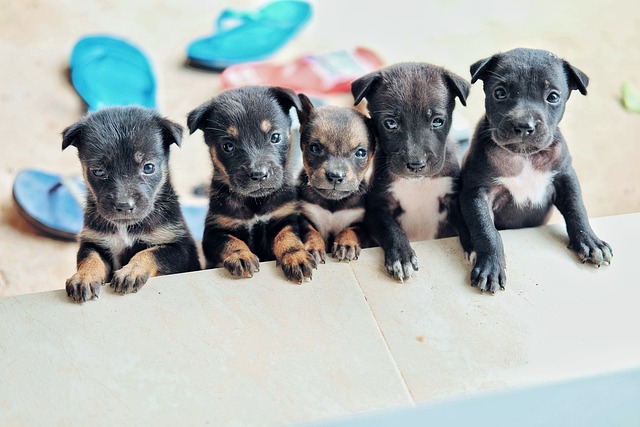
(228, 147)
(500, 94)
(553, 98)
(314, 148)
(149, 168)
(100, 173)
(390, 124)
(437, 122)
(361, 153)
(276, 138)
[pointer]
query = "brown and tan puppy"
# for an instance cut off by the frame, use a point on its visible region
(337, 150)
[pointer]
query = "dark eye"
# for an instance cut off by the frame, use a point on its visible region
(149, 168)
(500, 93)
(390, 124)
(437, 122)
(100, 173)
(228, 147)
(276, 138)
(553, 98)
(314, 148)
(361, 153)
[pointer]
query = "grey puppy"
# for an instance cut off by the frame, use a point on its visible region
(518, 165)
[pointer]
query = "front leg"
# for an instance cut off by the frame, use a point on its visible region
(400, 259)
(290, 253)
(222, 249)
(92, 272)
(489, 267)
(347, 244)
(313, 241)
(582, 239)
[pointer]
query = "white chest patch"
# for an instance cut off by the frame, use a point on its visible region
(530, 187)
(118, 242)
(331, 223)
(420, 201)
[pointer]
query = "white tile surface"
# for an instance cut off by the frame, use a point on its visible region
(196, 348)
(557, 319)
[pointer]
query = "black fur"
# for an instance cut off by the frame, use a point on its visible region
(411, 105)
(131, 206)
(525, 95)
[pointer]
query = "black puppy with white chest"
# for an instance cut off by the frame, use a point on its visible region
(337, 146)
(133, 226)
(413, 194)
(518, 165)
(253, 211)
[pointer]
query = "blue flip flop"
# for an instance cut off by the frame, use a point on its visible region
(108, 71)
(53, 204)
(243, 36)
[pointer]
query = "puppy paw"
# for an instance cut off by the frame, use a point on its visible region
(242, 263)
(591, 249)
(129, 278)
(82, 286)
(298, 265)
(315, 246)
(401, 264)
(346, 246)
(489, 273)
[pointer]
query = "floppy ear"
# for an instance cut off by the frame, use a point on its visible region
(171, 132)
(286, 98)
(458, 86)
(364, 85)
(196, 118)
(72, 134)
(306, 107)
(576, 78)
(480, 68)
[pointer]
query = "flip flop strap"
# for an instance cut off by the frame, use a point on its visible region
(71, 183)
(231, 18)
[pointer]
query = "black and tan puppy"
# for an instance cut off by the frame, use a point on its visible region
(337, 146)
(413, 195)
(518, 165)
(253, 211)
(133, 226)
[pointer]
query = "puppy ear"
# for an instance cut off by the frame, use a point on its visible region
(196, 118)
(458, 86)
(576, 78)
(480, 68)
(286, 98)
(171, 132)
(364, 85)
(306, 107)
(72, 134)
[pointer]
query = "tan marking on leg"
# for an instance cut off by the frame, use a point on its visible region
(90, 275)
(135, 274)
(238, 259)
(346, 245)
(314, 244)
(291, 255)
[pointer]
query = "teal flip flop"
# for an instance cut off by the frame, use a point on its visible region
(108, 71)
(53, 204)
(244, 36)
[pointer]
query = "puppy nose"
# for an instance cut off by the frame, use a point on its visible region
(416, 165)
(335, 177)
(260, 174)
(125, 206)
(525, 128)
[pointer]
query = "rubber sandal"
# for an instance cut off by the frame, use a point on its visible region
(321, 74)
(108, 71)
(53, 204)
(245, 36)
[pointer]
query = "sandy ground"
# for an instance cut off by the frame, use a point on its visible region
(37, 101)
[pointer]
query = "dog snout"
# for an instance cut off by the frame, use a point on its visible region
(336, 177)
(126, 205)
(259, 174)
(416, 164)
(524, 128)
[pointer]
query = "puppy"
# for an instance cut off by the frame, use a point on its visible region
(337, 146)
(413, 194)
(133, 226)
(518, 165)
(253, 212)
